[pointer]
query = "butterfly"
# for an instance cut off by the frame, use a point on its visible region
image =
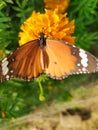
(56, 58)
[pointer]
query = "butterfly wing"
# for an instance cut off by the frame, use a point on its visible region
(58, 59)
(66, 59)
(24, 63)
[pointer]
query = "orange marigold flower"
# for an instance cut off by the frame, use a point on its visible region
(52, 24)
(61, 5)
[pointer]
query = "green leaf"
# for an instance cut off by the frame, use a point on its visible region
(2, 4)
(9, 1)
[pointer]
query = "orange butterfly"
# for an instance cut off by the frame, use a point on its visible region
(56, 58)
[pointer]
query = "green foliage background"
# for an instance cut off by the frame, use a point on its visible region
(19, 97)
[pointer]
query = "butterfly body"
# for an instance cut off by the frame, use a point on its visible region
(57, 58)
(42, 40)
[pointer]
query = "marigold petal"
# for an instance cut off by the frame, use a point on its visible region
(52, 24)
(61, 5)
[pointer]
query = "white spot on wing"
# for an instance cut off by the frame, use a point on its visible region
(84, 58)
(11, 71)
(5, 59)
(84, 62)
(5, 70)
(4, 66)
(78, 64)
(7, 76)
(84, 69)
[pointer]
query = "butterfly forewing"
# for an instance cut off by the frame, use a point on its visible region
(24, 63)
(66, 59)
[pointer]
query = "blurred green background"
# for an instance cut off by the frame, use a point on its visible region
(18, 97)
